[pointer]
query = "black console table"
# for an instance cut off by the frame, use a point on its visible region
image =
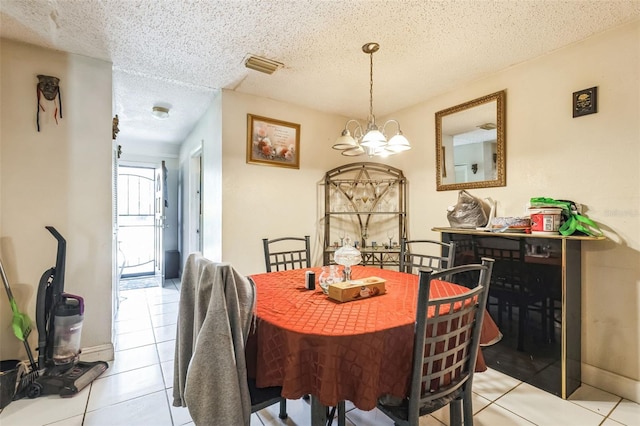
(542, 345)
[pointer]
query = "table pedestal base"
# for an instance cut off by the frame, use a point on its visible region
(319, 413)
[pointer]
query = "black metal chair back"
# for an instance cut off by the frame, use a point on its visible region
(419, 254)
(446, 342)
(281, 254)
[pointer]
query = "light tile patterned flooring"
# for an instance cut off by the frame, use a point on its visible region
(137, 387)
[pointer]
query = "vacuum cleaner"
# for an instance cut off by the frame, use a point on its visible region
(59, 317)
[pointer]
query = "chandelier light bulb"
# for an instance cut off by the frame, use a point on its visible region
(398, 143)
(345, 141)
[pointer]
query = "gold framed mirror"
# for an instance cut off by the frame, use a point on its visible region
(470, 144)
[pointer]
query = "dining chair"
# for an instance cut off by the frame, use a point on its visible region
(417, 254)
(265, 397)
(281, 254)
(215, 317)
(446, 342)
(512, 286)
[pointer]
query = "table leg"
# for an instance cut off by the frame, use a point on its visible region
(318, 412)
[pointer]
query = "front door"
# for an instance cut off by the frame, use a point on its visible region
(136, 220)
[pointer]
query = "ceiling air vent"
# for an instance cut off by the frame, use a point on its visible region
(264, 65)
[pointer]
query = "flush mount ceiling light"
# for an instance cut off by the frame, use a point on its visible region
(264, 65)
(487, 126)
(372, 142)
(160, 113)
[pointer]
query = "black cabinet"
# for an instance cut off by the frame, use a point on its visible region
(535, 298)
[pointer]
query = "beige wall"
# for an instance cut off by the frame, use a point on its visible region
(204, 140)
(593, 160)
(269, 202)
(60, 176)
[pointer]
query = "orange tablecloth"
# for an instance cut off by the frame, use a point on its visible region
(355, 351)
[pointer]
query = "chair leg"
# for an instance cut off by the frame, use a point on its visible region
(552, 319)
(455, 413)
(500, 309)
(522, 317)
(283, 409)
(467, 408)
(545, 320)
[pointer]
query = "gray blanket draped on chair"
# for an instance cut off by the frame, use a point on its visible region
(214, 320)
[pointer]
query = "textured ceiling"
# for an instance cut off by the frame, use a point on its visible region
(178, 53)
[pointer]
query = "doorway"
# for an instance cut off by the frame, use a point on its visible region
(137, 227)
(195, 203)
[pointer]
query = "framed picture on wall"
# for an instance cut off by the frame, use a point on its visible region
(585, 102)
(273, 142)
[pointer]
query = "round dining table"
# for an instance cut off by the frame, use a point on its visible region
(354, 351)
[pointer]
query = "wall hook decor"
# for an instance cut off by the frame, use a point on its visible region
(474, 168)
(49, 88)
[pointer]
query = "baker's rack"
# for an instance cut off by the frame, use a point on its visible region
(366, 202)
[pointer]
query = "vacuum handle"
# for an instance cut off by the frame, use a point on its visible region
(56, 234)
(60, 261)
(80, 300)
(6, 282)
(43, 318)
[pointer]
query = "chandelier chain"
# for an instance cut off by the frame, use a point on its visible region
(371, 117)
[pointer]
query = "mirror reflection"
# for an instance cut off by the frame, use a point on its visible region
(470, 144)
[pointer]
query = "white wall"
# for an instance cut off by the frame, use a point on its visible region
(593, 160)
(60, 176)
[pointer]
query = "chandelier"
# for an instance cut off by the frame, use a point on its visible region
(372, 141)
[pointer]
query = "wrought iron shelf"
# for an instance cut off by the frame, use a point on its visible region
(367, 203)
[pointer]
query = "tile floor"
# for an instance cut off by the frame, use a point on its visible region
(137, 387)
